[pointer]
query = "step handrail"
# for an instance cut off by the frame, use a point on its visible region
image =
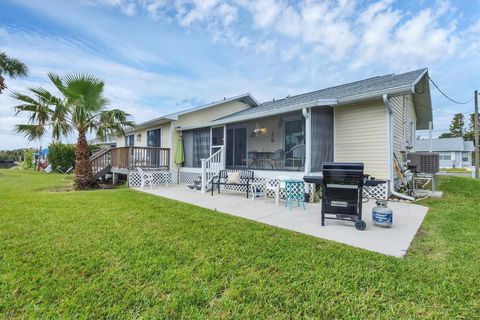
(101, 161)
(211, 167)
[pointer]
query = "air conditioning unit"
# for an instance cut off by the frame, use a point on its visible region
(424, 162)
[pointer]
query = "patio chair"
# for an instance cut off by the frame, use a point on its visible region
(275, 185)
(296, 154)
(276, 161)
(145, 177)
(68, 171)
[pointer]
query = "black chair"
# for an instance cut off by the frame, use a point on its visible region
(222, 179)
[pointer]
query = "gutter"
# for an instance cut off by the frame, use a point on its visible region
(390, 150)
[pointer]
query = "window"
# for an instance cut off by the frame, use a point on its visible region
(129, 140)
(154, 138)
(465, 157)
(445, 155)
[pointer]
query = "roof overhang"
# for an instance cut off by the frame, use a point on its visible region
(256, 115)
(422, 100)
(245, 98)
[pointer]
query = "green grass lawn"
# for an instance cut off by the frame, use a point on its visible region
(125, 254)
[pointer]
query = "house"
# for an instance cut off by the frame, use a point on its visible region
(453, 152)
(364, 121)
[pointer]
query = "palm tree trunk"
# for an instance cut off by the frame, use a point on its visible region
(84, 178)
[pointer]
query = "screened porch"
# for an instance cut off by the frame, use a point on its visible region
(286, 142)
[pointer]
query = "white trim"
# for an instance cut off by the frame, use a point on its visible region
(389, 139)
(307, 114)
(171, 146)
(334, 135)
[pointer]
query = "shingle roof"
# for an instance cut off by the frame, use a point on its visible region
(374, 84)
(445, 144)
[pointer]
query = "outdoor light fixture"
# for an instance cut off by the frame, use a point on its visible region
(139, 137)
(257, 131)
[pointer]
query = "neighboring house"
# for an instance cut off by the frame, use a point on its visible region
(453, 152)
(364, 121)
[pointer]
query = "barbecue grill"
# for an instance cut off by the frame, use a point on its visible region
(342, 192)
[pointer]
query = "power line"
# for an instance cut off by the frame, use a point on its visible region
(445, 95)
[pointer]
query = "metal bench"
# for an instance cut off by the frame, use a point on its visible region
(246, 177)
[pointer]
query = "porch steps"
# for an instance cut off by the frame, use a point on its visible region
(197, 185)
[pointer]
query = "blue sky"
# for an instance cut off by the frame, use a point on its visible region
(159, 56)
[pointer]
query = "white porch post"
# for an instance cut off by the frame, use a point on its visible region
(224, 152)
(307, 112)
(204, 175)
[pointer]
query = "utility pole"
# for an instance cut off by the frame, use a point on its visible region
(477, 150)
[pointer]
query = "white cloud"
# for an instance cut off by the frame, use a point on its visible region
(209, 49)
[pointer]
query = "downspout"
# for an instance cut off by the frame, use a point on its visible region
(390, 151)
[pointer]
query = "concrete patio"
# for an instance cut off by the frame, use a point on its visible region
(393, 241)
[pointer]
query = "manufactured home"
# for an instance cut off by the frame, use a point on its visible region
(371, 121)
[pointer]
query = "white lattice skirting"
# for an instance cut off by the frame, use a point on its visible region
(377, 192)
(170, 177)
(163, 177)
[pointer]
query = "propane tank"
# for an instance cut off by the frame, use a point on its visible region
(382, 215)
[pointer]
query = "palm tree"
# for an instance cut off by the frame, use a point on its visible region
(81, 109)
(11, 67)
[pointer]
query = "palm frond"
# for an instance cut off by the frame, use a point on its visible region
(60, 128)
(37, 107)
(112, 123)
(12, 67)
(31, 131)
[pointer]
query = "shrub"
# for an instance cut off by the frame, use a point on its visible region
(62, 155)
(28, 159)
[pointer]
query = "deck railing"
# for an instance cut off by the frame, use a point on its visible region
(143, 157)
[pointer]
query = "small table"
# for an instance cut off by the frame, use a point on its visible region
(299, 195)
(259, 158)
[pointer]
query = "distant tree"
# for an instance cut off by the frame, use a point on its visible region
(456, 127)
(12, 68)
(470, 132)
(445, 135)
(82, 108)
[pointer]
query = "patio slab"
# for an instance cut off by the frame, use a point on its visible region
(393, 241)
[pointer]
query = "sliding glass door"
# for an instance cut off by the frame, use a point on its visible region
(236, 147)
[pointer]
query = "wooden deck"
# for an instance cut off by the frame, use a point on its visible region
(125, 159)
